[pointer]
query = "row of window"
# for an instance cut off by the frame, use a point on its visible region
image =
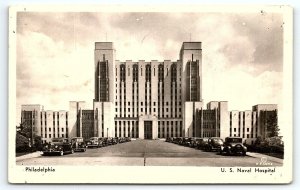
(154, 110)
(131, 130)
(53, 114)
(54, 136)
(247, 136)
(53, 123)
(148, 67)
(142, 103)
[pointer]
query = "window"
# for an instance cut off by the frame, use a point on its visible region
(135, 73)
(122, 73)
(173, 73)
(160, 73)
(141, 103)
(49, 129)
(153, 109)
(148, 73)
(247, 129)
(154, 103)
(62, 129)
(141, 109)
(234, 129)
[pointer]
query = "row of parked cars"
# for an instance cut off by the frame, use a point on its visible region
(231, 145)
(62, 146)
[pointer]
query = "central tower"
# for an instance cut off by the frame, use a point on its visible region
(103, 106)
(191, 68)
(104, 71)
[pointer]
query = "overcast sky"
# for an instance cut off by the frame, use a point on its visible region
(242, 53)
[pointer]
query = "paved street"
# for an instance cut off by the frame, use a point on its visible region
(149, 153)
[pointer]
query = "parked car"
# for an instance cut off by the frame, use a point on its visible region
(180, 140)
(93, 142)
(214, 143)
(188, 141)
(102, 141)
(201, 143)
(176, 140)
(168, 139)
(127, 139)
(115, 140)
(120, 139)
(193, 142)
(183, 140)
(78, 144)
(233, 145)
(59, 146)
(109, 141)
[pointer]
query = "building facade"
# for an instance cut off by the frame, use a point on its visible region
(149, 100)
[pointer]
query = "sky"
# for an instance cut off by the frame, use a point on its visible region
(242, 53)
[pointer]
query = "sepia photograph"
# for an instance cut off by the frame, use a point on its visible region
(155, 90)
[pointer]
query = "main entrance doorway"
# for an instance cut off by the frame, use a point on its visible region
(147, 129)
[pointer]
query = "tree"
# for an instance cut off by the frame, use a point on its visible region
(258, 141)
(272, 123)
(25, 130)
(38, 144)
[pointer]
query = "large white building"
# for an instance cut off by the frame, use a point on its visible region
(148, 100)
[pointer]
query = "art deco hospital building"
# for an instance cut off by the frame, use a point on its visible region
(148, 100)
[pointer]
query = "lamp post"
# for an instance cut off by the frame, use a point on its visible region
(107, 132)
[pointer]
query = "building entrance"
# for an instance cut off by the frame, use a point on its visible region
(147, 129)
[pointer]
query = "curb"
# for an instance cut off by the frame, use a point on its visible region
(31, 155)
(270, 158)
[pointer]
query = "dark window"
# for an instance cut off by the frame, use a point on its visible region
(174, 73)
(160, 73)
(135, 73)
(122, 73)
(102, 82)
(148, 73)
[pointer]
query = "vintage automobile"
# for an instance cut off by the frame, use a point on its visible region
(93, 142)
(201, 143)
(102, 141)
(109, 141)
(127, 139)
(176, 140)
(59, 146)
(183, 141)
(121, 139)
(188, 141)
(78, 144)
(233, 145)
(213, 143)
(193, 142)
(115, 140)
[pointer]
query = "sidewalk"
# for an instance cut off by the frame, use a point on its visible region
(30, 155)
(267, 158)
